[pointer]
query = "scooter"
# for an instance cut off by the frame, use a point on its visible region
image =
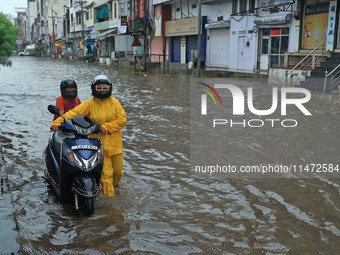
(74, 162)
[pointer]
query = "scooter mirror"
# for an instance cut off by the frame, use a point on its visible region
(53, 109)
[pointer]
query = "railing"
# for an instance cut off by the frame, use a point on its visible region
(142, 63)
(335, 79)
(308, 62)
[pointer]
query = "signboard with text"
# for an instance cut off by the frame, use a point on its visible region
(188, 26)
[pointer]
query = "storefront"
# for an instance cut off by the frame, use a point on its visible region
(183, 39)
(218, 44)
(273, 40)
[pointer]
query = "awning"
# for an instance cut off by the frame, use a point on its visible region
(107, 33)
(89, 5)
(59, 44)
(103, 13)
(218, 24)
(281, 19)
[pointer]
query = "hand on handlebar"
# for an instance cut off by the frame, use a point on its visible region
(55, 128)
(103, 130)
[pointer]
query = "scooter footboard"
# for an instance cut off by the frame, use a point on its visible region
(85, 185)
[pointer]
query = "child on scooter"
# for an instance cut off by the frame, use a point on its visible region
(68, 99)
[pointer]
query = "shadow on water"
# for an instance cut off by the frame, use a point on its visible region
(159, 208)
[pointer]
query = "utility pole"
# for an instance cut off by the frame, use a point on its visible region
(146, 30)
(28, 22)
(52, 29)
(199, 38)
(81, 2)
(53, 33)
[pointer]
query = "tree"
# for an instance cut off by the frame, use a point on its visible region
(8, 35)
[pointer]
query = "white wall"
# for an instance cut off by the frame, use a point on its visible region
(193, 12)
(243, 23)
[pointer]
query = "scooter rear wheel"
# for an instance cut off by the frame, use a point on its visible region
(87, 205)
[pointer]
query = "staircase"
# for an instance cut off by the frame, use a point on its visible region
(316, 81)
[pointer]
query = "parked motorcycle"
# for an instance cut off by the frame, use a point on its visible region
(74, 162)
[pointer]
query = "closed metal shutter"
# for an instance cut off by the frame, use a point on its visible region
(219, 41)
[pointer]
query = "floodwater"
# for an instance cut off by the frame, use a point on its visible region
(160, 208)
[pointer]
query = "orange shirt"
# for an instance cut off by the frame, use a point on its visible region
(62, 105)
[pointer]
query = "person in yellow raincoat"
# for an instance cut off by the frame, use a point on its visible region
(110, 115)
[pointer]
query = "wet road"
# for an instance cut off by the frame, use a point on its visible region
(159, 208)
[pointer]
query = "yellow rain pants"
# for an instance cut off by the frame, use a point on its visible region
(112, 172)
(108, 113)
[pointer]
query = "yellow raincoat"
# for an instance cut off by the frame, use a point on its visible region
(108, 113)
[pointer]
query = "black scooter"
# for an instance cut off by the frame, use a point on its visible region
(74, 162)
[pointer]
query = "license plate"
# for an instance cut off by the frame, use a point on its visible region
(84, 147)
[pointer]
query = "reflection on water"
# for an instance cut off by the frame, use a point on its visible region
(159, 208)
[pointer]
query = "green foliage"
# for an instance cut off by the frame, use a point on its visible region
(38, 50)
(8, 35)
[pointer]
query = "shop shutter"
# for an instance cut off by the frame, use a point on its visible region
(219, 41)
(176, 49)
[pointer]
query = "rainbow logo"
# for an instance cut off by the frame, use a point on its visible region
(204, 97)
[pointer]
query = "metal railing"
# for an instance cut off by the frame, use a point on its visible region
(335, 79)
(308, 62)
(141, 63)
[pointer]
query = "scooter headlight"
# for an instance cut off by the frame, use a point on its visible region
(86, 164)
(70, 155)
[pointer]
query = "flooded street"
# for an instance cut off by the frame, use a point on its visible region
(159, 208)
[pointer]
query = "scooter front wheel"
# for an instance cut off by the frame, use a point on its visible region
(87, 205)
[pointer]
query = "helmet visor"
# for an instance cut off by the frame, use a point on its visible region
(102, 87)
(70, 90)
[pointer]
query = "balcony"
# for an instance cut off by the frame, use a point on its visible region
(106, 25)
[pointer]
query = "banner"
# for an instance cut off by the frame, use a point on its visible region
(331, 25)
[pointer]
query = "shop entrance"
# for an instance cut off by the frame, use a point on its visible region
(272, 47)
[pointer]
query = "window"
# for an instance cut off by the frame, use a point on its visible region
(110, 11)
(115, 10)
(193, 6)
(178, 9)
(265, 45)
(243, 6)
(235, 7)
(220, 18)
(87, 15)
(71, 3)
(252, 6)
(279, 41)
(72, 18)
(78, 18)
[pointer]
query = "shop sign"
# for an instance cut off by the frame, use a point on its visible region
(280, 19)
(158, 20)
(188, 26)
(123, 21)
(276, 31)
(331, 25)
(183, 49)
(271, 3)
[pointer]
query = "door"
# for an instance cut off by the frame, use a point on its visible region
(264, 53)
(264, 48)
(176, 49)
